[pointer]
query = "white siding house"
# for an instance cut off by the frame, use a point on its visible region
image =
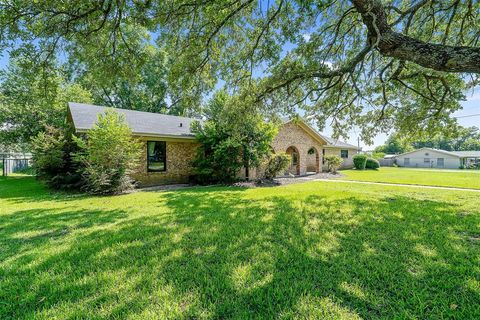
(434, 158)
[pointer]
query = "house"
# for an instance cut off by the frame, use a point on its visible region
(435, 158)
(170, 146)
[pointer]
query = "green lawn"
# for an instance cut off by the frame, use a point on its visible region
(312, 250)
(428, 177)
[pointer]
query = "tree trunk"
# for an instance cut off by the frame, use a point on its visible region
(396, 45)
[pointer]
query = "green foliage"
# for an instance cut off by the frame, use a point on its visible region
(378, 155)
(109, 154)
(234, 136)
(460, 139)
(328, 69)
(32, 98)
(52, 158)
(275, 164)
(394, 145)
(360, 161)
(372, 164)
(333, 163)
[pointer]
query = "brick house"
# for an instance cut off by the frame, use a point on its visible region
(170, 146)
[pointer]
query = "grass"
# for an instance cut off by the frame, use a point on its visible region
(312, 250)
(428, 177)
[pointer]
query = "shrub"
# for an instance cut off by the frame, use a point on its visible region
(276, 164)
(360, 161)
(108, 156)
(52, 158)
(235, 136)
(372, 164)
(333, 163)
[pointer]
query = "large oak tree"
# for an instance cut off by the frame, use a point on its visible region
(400, 64)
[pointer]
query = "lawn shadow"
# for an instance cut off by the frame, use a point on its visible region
(222, 253)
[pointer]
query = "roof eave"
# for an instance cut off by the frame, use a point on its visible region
(148, 134)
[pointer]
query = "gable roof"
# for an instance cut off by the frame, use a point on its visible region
(467, 154)
(84, 116)
(458, 154)
(450, 153)
(331, 143)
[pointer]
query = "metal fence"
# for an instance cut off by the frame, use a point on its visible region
(386, 162)
(10, 166)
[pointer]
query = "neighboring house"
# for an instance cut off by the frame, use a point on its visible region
(435, 158)
(170, 146)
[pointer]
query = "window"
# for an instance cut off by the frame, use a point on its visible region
(344, 153)
(406, 162)
(440, 162)
(426, 161)
(156, 156)
(294, 158)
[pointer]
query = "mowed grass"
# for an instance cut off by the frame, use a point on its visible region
(313, 250)
(427, 177)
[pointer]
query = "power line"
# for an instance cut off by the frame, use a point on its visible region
(470, 115)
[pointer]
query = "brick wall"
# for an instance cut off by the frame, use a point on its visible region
(179, 156)
(292, 135)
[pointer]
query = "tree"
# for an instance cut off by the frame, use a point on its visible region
(460, 139)
(234, 136)
(394, 145)
(333, 163)
(148, 89)
(31, 99)
(108, 156)
(375, 64)
(53, 163)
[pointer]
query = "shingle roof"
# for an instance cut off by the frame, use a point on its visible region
(337, 143)
(84, 117)
(460, 154)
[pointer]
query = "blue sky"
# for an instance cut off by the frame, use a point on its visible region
(469, 107)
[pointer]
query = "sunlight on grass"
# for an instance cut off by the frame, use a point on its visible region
(427, 177)
(312, 250)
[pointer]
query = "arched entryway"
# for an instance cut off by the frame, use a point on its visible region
(294, 160)
(313, 160)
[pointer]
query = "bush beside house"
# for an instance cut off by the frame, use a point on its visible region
(333, 163)
(276, 164)
(235, 136)
(100, 162)
(372, 164)
(360, 161)
(108, 155)
(52, 158)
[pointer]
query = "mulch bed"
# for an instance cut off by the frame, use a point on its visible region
(256, 183)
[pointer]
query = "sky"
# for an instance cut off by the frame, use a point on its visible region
(469, 107)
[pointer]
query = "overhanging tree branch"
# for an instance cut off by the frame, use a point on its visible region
(396, 45)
